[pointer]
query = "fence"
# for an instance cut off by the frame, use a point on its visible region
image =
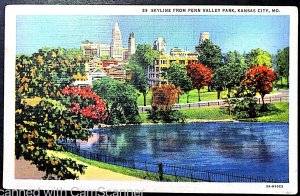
(162, 170)
(222, 102)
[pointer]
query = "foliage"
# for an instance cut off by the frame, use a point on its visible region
(167, 116)
(231, 73)
(106, 58)
(121, 100)
(200, 75)
(244, 107)
(71, 54)
(164, 96)
(209, 54)
(282, 64)
(43, 75)
(177, 75)
(261, 79)
(82, 100)
(258, 57)
(139, 79)
(39, 127)
(144, 56)
(139, 62)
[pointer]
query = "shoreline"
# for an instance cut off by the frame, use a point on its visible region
(187, 121)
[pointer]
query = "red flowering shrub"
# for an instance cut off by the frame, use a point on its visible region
(83, 100)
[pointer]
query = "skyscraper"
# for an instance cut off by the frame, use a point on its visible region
(203, 36)
(131, 44)
(116, 49)
(160, 45)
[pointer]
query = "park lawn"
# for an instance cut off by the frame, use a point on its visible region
(284, 84)
(193, 96)
(97, 170)
(281, 115)
(117, 172)
(209, 114)
(202, 114)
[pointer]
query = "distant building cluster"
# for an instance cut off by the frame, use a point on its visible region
(163, 62)
(115, 50)
(109, 60)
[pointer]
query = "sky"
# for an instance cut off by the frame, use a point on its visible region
(239, 32)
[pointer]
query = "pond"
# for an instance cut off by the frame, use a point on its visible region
(256, 149)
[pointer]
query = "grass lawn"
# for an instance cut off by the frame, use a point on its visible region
(206, 114)
(204, 95)
(279, 112)
(118, 169)
(281, 115)
(284, 84)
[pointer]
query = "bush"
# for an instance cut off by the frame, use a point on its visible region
(245, 107)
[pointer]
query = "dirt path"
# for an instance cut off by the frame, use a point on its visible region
(24, 170)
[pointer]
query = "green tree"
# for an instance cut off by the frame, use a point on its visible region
(138, 79)
(231, 73)
(44, 75)
(258, 57)
(120, 98)
(209, 54)
(282, 65)
(143, 58)
(177, 75)
(244, 106)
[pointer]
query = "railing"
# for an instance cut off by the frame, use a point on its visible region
(221, 102)
(162, 170)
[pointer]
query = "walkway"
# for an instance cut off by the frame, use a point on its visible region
(25, 170)
(281, 96)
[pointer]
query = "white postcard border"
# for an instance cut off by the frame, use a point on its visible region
(10, 182)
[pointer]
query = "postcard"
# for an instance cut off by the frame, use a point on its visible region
(137, 99)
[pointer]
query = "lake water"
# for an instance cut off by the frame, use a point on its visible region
(256, 149)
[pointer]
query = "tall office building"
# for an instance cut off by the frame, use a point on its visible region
(160, 45)
(89, 48)
(203, 36)
(131, 44)
(116, 49)
(103, 50)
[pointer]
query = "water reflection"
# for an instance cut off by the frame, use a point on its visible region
(230, 146)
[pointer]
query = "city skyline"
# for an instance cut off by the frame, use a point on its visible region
(241, 33)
